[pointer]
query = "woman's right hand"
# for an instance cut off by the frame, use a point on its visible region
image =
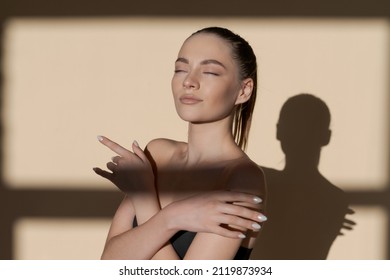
(131, 171)
(217, 212)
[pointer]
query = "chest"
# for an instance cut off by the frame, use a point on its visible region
(175, 184)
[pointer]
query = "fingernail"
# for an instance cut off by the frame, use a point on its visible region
(136, 143)
(262, 218)
(100, 138)
(257, 199)
(241, 235)
(256, 226)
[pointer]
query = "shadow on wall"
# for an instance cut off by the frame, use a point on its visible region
(305, 211)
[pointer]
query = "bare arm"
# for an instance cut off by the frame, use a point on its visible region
(248, 179)
(201, 213)
(132, 173)
(141, 242)
(144, 241)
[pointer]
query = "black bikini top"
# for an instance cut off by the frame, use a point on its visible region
(182, 240)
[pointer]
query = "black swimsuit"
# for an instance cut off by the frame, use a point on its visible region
(182, 240)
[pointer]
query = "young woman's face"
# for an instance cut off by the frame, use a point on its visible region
(206, 82)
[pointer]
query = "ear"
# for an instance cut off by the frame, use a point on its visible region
(245, 92)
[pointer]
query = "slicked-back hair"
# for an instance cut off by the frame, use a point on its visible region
(245, 58)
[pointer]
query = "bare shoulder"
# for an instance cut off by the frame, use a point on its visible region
(159, 143)
(162, 150)
(246, 176)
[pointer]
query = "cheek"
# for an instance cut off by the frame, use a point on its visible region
(228, 95)
(224, 101)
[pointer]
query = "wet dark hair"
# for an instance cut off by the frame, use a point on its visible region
(243, 54)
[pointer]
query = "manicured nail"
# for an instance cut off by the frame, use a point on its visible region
(100, 138)
(257, 199)
(256, 226)
(241, 235)
(262, 218)
(136, 143)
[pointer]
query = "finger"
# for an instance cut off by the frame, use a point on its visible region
(111, 166)
(242, 211)
(139, 152)
(116, 159)
(228, 233)
(231, 196)
(235, 221)
(113, 146)
(103, 173)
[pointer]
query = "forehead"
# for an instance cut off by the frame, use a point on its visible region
(206, 46)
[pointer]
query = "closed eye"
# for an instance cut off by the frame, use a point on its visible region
(179, 70)
(211, 73)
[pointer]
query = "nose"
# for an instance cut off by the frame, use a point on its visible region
(191, 81)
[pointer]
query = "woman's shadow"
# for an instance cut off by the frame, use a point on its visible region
(305, 211)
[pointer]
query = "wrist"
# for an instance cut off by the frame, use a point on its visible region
(146, 192)
(145, 205)
(169, 216)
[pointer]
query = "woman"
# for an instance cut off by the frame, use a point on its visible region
(195, 200)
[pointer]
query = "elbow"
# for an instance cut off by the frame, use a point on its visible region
(107, 251)
(106, 256)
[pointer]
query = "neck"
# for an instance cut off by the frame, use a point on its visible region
(210, 142)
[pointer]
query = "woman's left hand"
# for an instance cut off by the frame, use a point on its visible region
(131, 172)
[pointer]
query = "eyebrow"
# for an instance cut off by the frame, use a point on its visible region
(204, 62)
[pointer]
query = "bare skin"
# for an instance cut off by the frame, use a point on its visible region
(203, 210)
(207, 185)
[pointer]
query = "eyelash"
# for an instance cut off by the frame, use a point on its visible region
(211, 73)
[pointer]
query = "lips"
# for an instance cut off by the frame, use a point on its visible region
(189, 99)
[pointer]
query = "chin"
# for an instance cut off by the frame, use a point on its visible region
(196, 116)
(189, 117)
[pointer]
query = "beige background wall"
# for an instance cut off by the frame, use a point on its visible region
(68, 80)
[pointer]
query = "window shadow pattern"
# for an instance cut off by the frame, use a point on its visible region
(61, 203)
